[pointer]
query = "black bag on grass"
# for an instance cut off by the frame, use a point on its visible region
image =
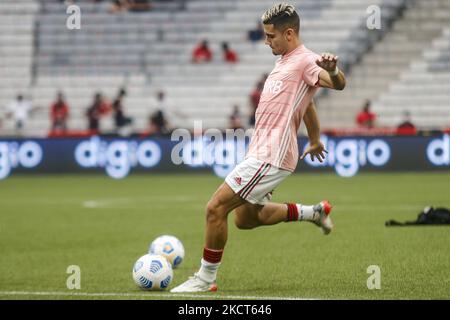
(429, 216)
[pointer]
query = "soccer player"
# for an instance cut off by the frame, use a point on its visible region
(273, 151)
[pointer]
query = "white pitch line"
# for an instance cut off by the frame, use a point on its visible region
(111, 202)
(211, 296)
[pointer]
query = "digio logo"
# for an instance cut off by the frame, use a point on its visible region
(347, 156)
(117, 157)
(27, 154)
(438, 151)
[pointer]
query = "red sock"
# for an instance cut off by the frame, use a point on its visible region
(212, 256)
(292, 212)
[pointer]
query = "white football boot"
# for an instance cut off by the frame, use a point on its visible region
(195, 284)
(322, 219)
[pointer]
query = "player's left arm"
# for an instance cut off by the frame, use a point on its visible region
(316, 149)
(330, 77)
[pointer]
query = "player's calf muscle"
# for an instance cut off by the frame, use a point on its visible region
(247, 216)
(246, 223)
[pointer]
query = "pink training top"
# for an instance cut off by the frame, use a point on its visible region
(287, 92)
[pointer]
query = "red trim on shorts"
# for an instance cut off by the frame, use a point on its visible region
(262, 175)
(251, 180)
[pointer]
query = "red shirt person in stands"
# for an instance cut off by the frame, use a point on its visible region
(406, 127)
(255, 96)
(366, 118)
(98, 108)
(229, 55)
(202, 53)
(59, 113)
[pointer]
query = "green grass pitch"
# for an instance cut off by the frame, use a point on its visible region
(50, 222)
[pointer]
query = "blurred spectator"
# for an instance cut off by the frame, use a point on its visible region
(181, 4)
(406, 127)
(120, 120)
(158, 123)
(202, 53)
(130, 5)
(255, 96)
(257, 34)
(98, 109)
(236, 119)
(20, 110)
(139, 5)
(264, 77)
(366, 118)
(59, 113)
(3, 114)
(118, 6)
(229, 55)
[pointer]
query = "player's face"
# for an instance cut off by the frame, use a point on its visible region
(275, 39)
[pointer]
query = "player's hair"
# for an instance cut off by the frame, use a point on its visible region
(282, 16)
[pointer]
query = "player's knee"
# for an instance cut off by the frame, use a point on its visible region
(213, 212)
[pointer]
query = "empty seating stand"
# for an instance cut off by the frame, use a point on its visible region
(151, 51)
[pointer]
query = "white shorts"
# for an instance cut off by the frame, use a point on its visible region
(254, 180)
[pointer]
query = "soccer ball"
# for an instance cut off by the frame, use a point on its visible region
(169, 247)
(152, 272)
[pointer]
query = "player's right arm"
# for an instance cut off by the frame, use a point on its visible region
(327, 78)
(316, 148)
